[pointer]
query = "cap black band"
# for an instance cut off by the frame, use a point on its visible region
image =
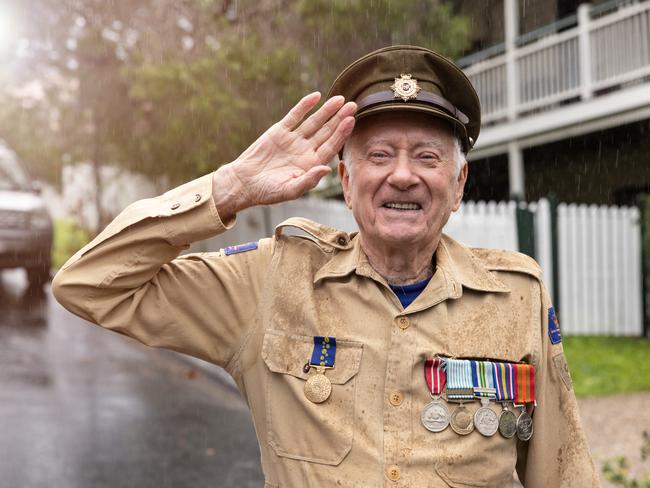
(423, 96)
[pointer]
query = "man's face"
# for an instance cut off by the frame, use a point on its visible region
(402, 182)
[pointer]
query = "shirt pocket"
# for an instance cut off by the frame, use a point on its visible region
(297, 428)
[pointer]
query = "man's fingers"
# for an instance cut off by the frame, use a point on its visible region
(298, 112)
(326, 130)
(320, 117)
(305, 182)
(334, 144)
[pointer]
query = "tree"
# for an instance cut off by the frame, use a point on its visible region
(176, 88)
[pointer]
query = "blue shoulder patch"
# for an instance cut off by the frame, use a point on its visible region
(249, 246)
(554, 333)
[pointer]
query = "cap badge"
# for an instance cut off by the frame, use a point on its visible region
(405, 87)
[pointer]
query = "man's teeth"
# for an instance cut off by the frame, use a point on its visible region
(403, 206)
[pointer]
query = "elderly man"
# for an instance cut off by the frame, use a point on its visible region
(391, 357)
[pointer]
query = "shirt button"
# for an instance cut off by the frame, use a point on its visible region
(396, 398)
(403, 323)
(393, 473)
(197, 197)
(342, 241)
(175, 206)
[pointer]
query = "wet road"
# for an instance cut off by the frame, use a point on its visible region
(84, 408)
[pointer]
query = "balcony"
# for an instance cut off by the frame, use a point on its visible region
(585, 72)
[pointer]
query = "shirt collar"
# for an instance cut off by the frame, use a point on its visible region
(458, 262)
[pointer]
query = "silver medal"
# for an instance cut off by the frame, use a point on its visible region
(486, 419)
(524, 425)
(507, 423)
(435, 416)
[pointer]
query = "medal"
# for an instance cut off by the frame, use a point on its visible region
(318, 387)
(485, 419)
(505, 392)
(507, 423)
(524, 425)
(524, 376)
(461, 420)
(435, 415)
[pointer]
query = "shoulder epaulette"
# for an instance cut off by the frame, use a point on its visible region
(319, 233)
(502, 260)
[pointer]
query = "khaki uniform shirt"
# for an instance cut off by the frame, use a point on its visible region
(255, 314)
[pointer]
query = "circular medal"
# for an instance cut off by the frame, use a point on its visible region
(507, 424)
(435, 416)
(486, 421)
(524, 426)
(461, 421)
(318, 388)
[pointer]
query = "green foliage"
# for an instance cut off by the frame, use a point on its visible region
(179, 88)
(69, 237)
(608, 365)
(617, 470)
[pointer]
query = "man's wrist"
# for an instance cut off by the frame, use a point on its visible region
(228, 192)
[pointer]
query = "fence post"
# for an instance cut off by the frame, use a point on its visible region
(555, 250)
(642, 203)
(526, 230)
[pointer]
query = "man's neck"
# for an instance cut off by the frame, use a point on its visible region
(402, 266)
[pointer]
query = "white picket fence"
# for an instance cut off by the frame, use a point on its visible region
(599, 252)
(601, 274)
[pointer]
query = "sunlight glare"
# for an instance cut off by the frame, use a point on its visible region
(7, 27)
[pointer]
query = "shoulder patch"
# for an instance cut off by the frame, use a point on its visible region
(563, 370)
(554, 333)
(249, 246)
(502, 260)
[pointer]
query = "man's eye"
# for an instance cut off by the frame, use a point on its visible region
(378, 154)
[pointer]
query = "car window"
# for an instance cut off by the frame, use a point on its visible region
(12, 175)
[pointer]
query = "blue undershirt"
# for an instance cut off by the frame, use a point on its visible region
(408, 293)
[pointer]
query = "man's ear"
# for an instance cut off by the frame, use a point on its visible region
(345, 183)
(460, 185)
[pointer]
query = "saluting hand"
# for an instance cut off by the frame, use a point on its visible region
(289, 159)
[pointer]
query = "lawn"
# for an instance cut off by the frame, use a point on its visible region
(608, 365)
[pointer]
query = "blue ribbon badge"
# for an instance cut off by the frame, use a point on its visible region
(324, 352)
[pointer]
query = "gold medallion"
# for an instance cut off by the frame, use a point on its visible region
(318, 388)
(405, 87)
(461, 420)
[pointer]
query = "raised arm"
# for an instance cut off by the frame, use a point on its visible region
(130, 279)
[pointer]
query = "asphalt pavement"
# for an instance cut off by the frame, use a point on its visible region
(81, 407)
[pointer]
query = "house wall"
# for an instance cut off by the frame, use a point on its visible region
(607, 167)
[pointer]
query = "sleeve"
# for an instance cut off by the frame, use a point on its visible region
(130, 280)
(558, 454)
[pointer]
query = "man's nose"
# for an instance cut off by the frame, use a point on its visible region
(402, 176)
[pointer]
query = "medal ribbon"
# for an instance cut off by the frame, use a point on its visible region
(504, 381)
(435, 375)
(524, 383)
(459, 379)
(482, 378)
(324, 352)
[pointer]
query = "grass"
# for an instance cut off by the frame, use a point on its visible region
(608, 365)
(68, 239)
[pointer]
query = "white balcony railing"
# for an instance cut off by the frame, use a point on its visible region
(602, 52)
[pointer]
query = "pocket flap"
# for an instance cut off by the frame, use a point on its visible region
(288, 353)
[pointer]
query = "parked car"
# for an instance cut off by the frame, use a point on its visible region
(25, 224)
